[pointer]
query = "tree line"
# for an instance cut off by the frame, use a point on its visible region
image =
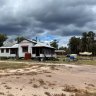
(87, 43)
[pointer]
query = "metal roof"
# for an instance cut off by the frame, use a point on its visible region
(39, 44)
(9, 43)
(14, 46)
(33, 41)
(59, 50)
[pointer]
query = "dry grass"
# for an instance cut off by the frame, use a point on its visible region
(7, 87)
(31, 73)
(68, 88)
(88, 62)
(78, 92)
(85, 94)
(41, 82)
(12, 65)
(35, 86)
(49, 94)
(2, 93)
(84, 60)
(10, 95)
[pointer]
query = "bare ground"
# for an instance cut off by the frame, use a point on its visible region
(48, 80)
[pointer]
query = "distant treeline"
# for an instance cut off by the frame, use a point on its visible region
(87, 42)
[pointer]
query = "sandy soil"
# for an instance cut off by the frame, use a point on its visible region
(40, 80)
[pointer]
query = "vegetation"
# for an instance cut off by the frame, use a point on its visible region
(3, 37)
(12, 65)
(86, 43)
(54, 44)
(19, 39)
(74, 45)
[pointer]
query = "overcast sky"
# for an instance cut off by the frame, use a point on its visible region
(47, 19)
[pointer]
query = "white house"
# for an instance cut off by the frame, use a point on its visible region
(36, 49)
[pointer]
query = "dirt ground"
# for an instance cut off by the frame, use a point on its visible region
(48, 80)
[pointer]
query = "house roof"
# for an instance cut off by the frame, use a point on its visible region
(14, 46)
(59, 51)
(39, 44)
(9, 43)
(33, 41)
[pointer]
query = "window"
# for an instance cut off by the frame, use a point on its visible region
(25, 49)
(2, 50)
(7, 50)
(13, 51)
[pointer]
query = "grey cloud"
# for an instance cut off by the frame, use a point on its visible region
(54, 16)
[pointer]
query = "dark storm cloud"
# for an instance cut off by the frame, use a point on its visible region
(58, 17)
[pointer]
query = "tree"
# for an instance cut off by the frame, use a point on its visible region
(84, 41)
(54, 44)
(87, 40)
(19, 39)
(74, 45)
(63, 48)
(3, 37)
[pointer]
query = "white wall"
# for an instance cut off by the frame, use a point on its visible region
(25, 43)
(6, 54)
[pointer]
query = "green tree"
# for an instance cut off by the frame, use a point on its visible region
(74, 45)
(88, 42)
(54, 44)
(19, 39)
(3, 38)
(63, 48)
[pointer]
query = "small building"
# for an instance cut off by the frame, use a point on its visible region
(36, 49)
(60, 52)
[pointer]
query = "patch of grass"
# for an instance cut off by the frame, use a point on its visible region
(7, 87)
(85, 94)
(31, 73)
(12, 65)
(78, 92)
(48, 94)
(68, 88)
(2, 93)
(41, 82)
(88, 62)
(80, 60)
(10, 95)
(35, 86)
